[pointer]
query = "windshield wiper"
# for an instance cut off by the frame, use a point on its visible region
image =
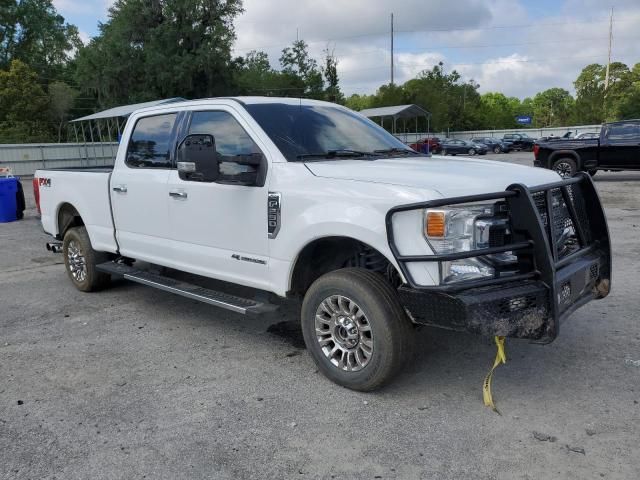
(338, 153)
(393, 150)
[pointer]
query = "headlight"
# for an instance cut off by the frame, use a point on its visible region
(462, 229)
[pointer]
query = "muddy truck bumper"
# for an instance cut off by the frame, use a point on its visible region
(560, 240)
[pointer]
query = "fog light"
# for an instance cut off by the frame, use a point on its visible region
(466, 269)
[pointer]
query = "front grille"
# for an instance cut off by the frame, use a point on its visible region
(565, 235)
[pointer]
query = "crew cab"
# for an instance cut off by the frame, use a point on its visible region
(617, 147)
(308, 200)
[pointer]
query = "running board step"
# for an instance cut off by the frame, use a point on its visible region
(194, 292)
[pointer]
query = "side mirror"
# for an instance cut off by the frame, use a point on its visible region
(197, 159)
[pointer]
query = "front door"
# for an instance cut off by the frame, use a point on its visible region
(220, 229)
(139, 190)
(620, 146)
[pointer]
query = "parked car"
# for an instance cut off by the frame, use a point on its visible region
(427, 145)
(519, 141)
(494, 144)
(617, 147)
(454, 147)
(371, 237)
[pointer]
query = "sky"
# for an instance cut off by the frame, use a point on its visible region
(517, 47)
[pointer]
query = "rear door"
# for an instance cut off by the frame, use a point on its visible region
(620, 146)
(220, 229)
(139, 189)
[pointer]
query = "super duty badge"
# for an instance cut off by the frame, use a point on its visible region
(274, 204)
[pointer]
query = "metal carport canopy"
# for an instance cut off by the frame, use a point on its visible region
(125, 110)
(396, 111)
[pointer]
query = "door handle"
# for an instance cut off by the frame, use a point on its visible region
(176, 194)
(120, 188)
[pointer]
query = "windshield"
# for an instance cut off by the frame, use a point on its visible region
(302, 132)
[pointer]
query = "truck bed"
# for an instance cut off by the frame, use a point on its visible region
(85, 189)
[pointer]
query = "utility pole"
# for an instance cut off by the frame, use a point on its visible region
(392, 49)
(606, 77)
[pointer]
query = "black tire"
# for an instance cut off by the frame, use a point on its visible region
(472, 151)
(593, 172)
(92, 279)
(497, 149)
(565, 167)
(390, 329)
(444, 152)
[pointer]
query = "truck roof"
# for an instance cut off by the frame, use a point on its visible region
(248, 100)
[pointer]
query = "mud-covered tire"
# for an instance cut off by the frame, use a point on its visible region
(378, 318)
(565, 167)
(80, 260)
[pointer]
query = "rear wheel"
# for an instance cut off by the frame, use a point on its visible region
(355, 328)
(80, 260)
(472, 151)
(497, 149)
(444, 152)
(565, 167)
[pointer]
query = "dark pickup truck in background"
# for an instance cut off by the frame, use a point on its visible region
(616, 148)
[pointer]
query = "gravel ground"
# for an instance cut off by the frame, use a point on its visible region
(134, 383)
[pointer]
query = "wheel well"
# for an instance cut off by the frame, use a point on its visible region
(565, 154)
(68, 217)
(332, 253)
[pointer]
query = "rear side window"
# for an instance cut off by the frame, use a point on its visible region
(623, 131)
(150, 143)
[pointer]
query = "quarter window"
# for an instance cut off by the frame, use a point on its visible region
(150, 143)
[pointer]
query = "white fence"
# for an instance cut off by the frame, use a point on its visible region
(25, 159)
(532, 132)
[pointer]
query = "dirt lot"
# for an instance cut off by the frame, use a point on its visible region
(136, 383)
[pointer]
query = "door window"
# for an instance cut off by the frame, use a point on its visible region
(623, 131)
(231, 139)
(151, 141)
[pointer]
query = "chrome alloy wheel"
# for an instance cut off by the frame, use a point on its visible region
(77, 262)
(344, 333)
(564, 169)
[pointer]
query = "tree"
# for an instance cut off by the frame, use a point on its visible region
(22, 103)
(33, 32)
(330, 71)
(301, 68)
(159, 49)
(61, 99)
(498, 110)
(553, 108)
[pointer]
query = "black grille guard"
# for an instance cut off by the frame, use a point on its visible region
(538, 258)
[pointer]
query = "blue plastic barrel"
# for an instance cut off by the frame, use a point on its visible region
(8, 205)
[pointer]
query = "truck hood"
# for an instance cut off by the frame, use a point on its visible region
(447, 176)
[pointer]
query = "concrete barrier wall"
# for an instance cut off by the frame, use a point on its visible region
(25, 159)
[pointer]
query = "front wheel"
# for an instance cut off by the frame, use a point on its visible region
(497, 149)
(472, 151)
(444, 152)
(355, 328)
(80, 260)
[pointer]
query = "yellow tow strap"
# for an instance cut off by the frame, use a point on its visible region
(486, 386)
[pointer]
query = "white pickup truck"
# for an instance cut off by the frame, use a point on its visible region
(309, 200)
